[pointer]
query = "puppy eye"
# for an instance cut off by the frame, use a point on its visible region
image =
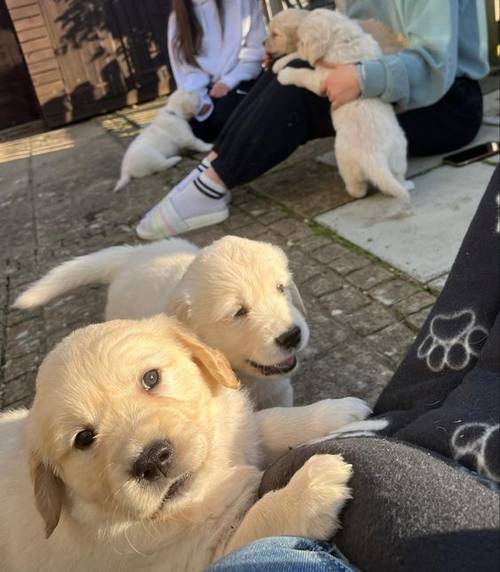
(150, 379)
(241, 312)
(281, 288)
(84, 438)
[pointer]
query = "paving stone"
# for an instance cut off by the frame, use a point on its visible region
(346, 370)
(314, 242)
(330, 252)
(324, 283)
(414, 303)
(349, 262)
(291, 228)
(344, 301)
(418, 319)
(393, 291)
(14, 367)
(20, 388)
(371, 318)
(369, 276)
(438, 283)
(393, 341)
(308, 188)
(302, 266)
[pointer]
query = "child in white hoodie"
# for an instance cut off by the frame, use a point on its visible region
(216, 48)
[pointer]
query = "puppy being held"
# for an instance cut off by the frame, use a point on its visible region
(158, 145)
(370, 146)
(237, 295)
(139, 454)
(283, 38)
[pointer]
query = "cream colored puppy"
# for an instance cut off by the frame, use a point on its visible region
(140, 455)
(236, 294)
(370, 146)
(158, 145)
(282, 38)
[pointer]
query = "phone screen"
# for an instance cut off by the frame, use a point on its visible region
(473, 153)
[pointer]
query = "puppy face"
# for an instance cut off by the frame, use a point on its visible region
(120, 430)
(238, 296)
(282, 38)
(186, 103)
(322, 31)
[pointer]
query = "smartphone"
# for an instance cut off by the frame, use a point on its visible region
(472, 154)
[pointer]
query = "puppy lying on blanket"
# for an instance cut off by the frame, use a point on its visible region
(158, 145)
(370, 146)
(237, 295)
(144, 456)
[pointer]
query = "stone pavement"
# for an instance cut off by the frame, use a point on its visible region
(56, 203)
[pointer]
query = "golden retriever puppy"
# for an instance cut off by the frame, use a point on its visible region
(282, 38)
(370, 146)
(140, 454)
(236, 294)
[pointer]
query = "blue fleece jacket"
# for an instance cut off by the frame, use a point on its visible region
(448, 39)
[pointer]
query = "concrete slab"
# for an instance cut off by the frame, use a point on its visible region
(424, 242)
(420, 165)
(491, 104)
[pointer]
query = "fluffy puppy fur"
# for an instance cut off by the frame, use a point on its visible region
(139, 454)
(282, 38)
(158, 145)
(236, 294)
(370, 146)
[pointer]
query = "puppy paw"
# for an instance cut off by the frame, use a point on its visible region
(206, 147)
(329, 415)
(321, 487)
(279, 65)
(285, 76)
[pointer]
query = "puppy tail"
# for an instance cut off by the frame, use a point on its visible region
(123, 181)
(383, 178)
(97, 268)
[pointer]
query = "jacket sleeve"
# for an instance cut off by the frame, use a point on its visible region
(252, 50)
(421, 74)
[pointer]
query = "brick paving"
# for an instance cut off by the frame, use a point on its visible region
(56, 203)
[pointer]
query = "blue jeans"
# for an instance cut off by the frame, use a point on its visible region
(283, 554)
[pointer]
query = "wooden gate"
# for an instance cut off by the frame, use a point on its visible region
(17, 99)
(88, 57)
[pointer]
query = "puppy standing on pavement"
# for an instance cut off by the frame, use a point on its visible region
(158, 145)
(370, 146)
(237, 295)
(145, 457)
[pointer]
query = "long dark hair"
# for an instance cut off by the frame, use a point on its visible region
(189, 33)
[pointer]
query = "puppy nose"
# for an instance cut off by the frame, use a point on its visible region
(152, 464)
(290, 339)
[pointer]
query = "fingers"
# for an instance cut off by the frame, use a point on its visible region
(328, 65)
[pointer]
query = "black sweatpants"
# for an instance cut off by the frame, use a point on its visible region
(427, 466)
(274, 120)
(210, 129)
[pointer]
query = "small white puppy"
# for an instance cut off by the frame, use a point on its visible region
(139, 454)
(236, 294)
(370, 146)
(158, 145)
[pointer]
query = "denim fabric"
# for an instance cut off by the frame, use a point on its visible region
(283, 554)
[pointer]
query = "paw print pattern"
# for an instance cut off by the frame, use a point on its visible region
(452, 341)
(477, 446)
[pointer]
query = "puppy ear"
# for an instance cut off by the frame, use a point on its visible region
(297, 298)
(180, 307)
(49, 493)
(212, 363)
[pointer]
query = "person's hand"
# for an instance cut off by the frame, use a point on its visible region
(205, 109)
(219, 90)
(342, 84)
